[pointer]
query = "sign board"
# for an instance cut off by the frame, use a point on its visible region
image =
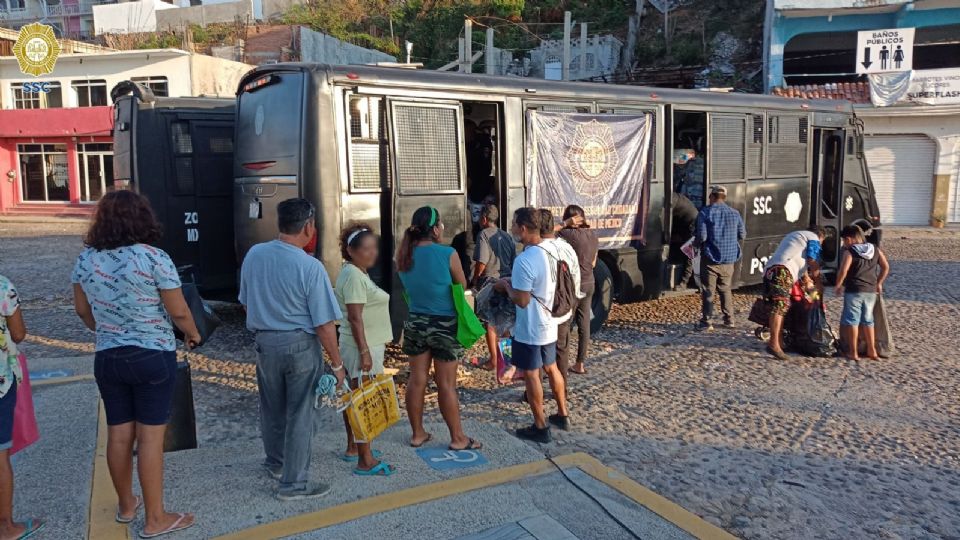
(935, 87)
(442, 459)
(881, 51)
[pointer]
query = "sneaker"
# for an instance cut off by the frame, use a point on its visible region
(705, 326)
(274, 471)
(728, 323)
(310, 492)
(535, 434)
(562, 422)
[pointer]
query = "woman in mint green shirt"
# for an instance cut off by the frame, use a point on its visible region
(428, 270)
(364, 330)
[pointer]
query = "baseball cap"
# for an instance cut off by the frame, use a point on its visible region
(718, 190)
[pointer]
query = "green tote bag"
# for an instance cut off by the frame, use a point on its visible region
(469, 327)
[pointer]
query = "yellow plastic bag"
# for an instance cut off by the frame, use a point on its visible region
(372, 408)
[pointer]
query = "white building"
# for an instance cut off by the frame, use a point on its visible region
(912, 146)
(71, 19)
(128, 17)
(600, 56)
(82, 80)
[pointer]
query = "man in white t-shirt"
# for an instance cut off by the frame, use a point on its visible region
(531, 287)
(560, 249)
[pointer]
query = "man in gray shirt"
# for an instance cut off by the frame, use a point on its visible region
(492, 258)
(292, 309)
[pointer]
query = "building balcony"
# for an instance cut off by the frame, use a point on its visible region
(84, 7)
(18, 14)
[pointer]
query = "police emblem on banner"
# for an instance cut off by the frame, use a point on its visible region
(597, 161)
(592, 158)
(36, 49)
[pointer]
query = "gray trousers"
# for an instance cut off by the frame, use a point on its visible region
(288, 366)
(716, 278)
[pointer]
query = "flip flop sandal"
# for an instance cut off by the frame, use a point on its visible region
(423, 442)
(121, 519)
(33, 526)
(472, 445)
(353, 459)
(176, 526)
(584, 372)
(381, 469)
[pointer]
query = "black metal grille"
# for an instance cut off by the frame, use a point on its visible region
(755, 148)
(184, 171)
(369, 152)
(428, 149)
(561, 108)
(787, 152)
(221, 145)
(182, 142)
(365, 163)
(726, 148)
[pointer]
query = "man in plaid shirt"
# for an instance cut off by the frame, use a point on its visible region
(719, 232)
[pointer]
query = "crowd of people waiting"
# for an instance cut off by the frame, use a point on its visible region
(129, 293)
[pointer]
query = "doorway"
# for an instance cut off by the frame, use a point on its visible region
(481, 140)
(689, 156)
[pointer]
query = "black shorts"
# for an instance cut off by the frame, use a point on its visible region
(8, 403)
(136, 384)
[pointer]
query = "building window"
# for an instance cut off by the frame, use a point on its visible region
(44, 175)
(91, 93)
(96, 170)
(157, 85)
(36, 95)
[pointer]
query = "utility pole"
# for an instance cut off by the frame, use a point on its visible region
(468, 45)
(632, 33)
(583, 52)
(565, 68)
(666, 24)
(490, 57)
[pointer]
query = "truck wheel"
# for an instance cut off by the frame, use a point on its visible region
(602, 296)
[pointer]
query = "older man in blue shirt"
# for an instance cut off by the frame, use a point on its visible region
(719, 232)
(293, 311)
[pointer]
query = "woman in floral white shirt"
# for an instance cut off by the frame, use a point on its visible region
(12, 331)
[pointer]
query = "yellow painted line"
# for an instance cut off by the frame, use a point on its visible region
(62, 380)
(388, 501)
(101, 523)
(343, 513)
(672, 512)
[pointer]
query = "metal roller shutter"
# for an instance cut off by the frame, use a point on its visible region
(902, 170)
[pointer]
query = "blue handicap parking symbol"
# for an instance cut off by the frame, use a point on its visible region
(49, 374)
(443, 459)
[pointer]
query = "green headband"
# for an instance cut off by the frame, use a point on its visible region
(433, 217)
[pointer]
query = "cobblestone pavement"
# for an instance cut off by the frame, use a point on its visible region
(808, 448)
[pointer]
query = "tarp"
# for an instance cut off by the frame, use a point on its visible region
(597, 161)
(889, 88)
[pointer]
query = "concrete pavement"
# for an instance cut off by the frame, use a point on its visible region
(64, 480)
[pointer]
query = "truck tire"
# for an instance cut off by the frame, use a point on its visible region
(602, 296)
